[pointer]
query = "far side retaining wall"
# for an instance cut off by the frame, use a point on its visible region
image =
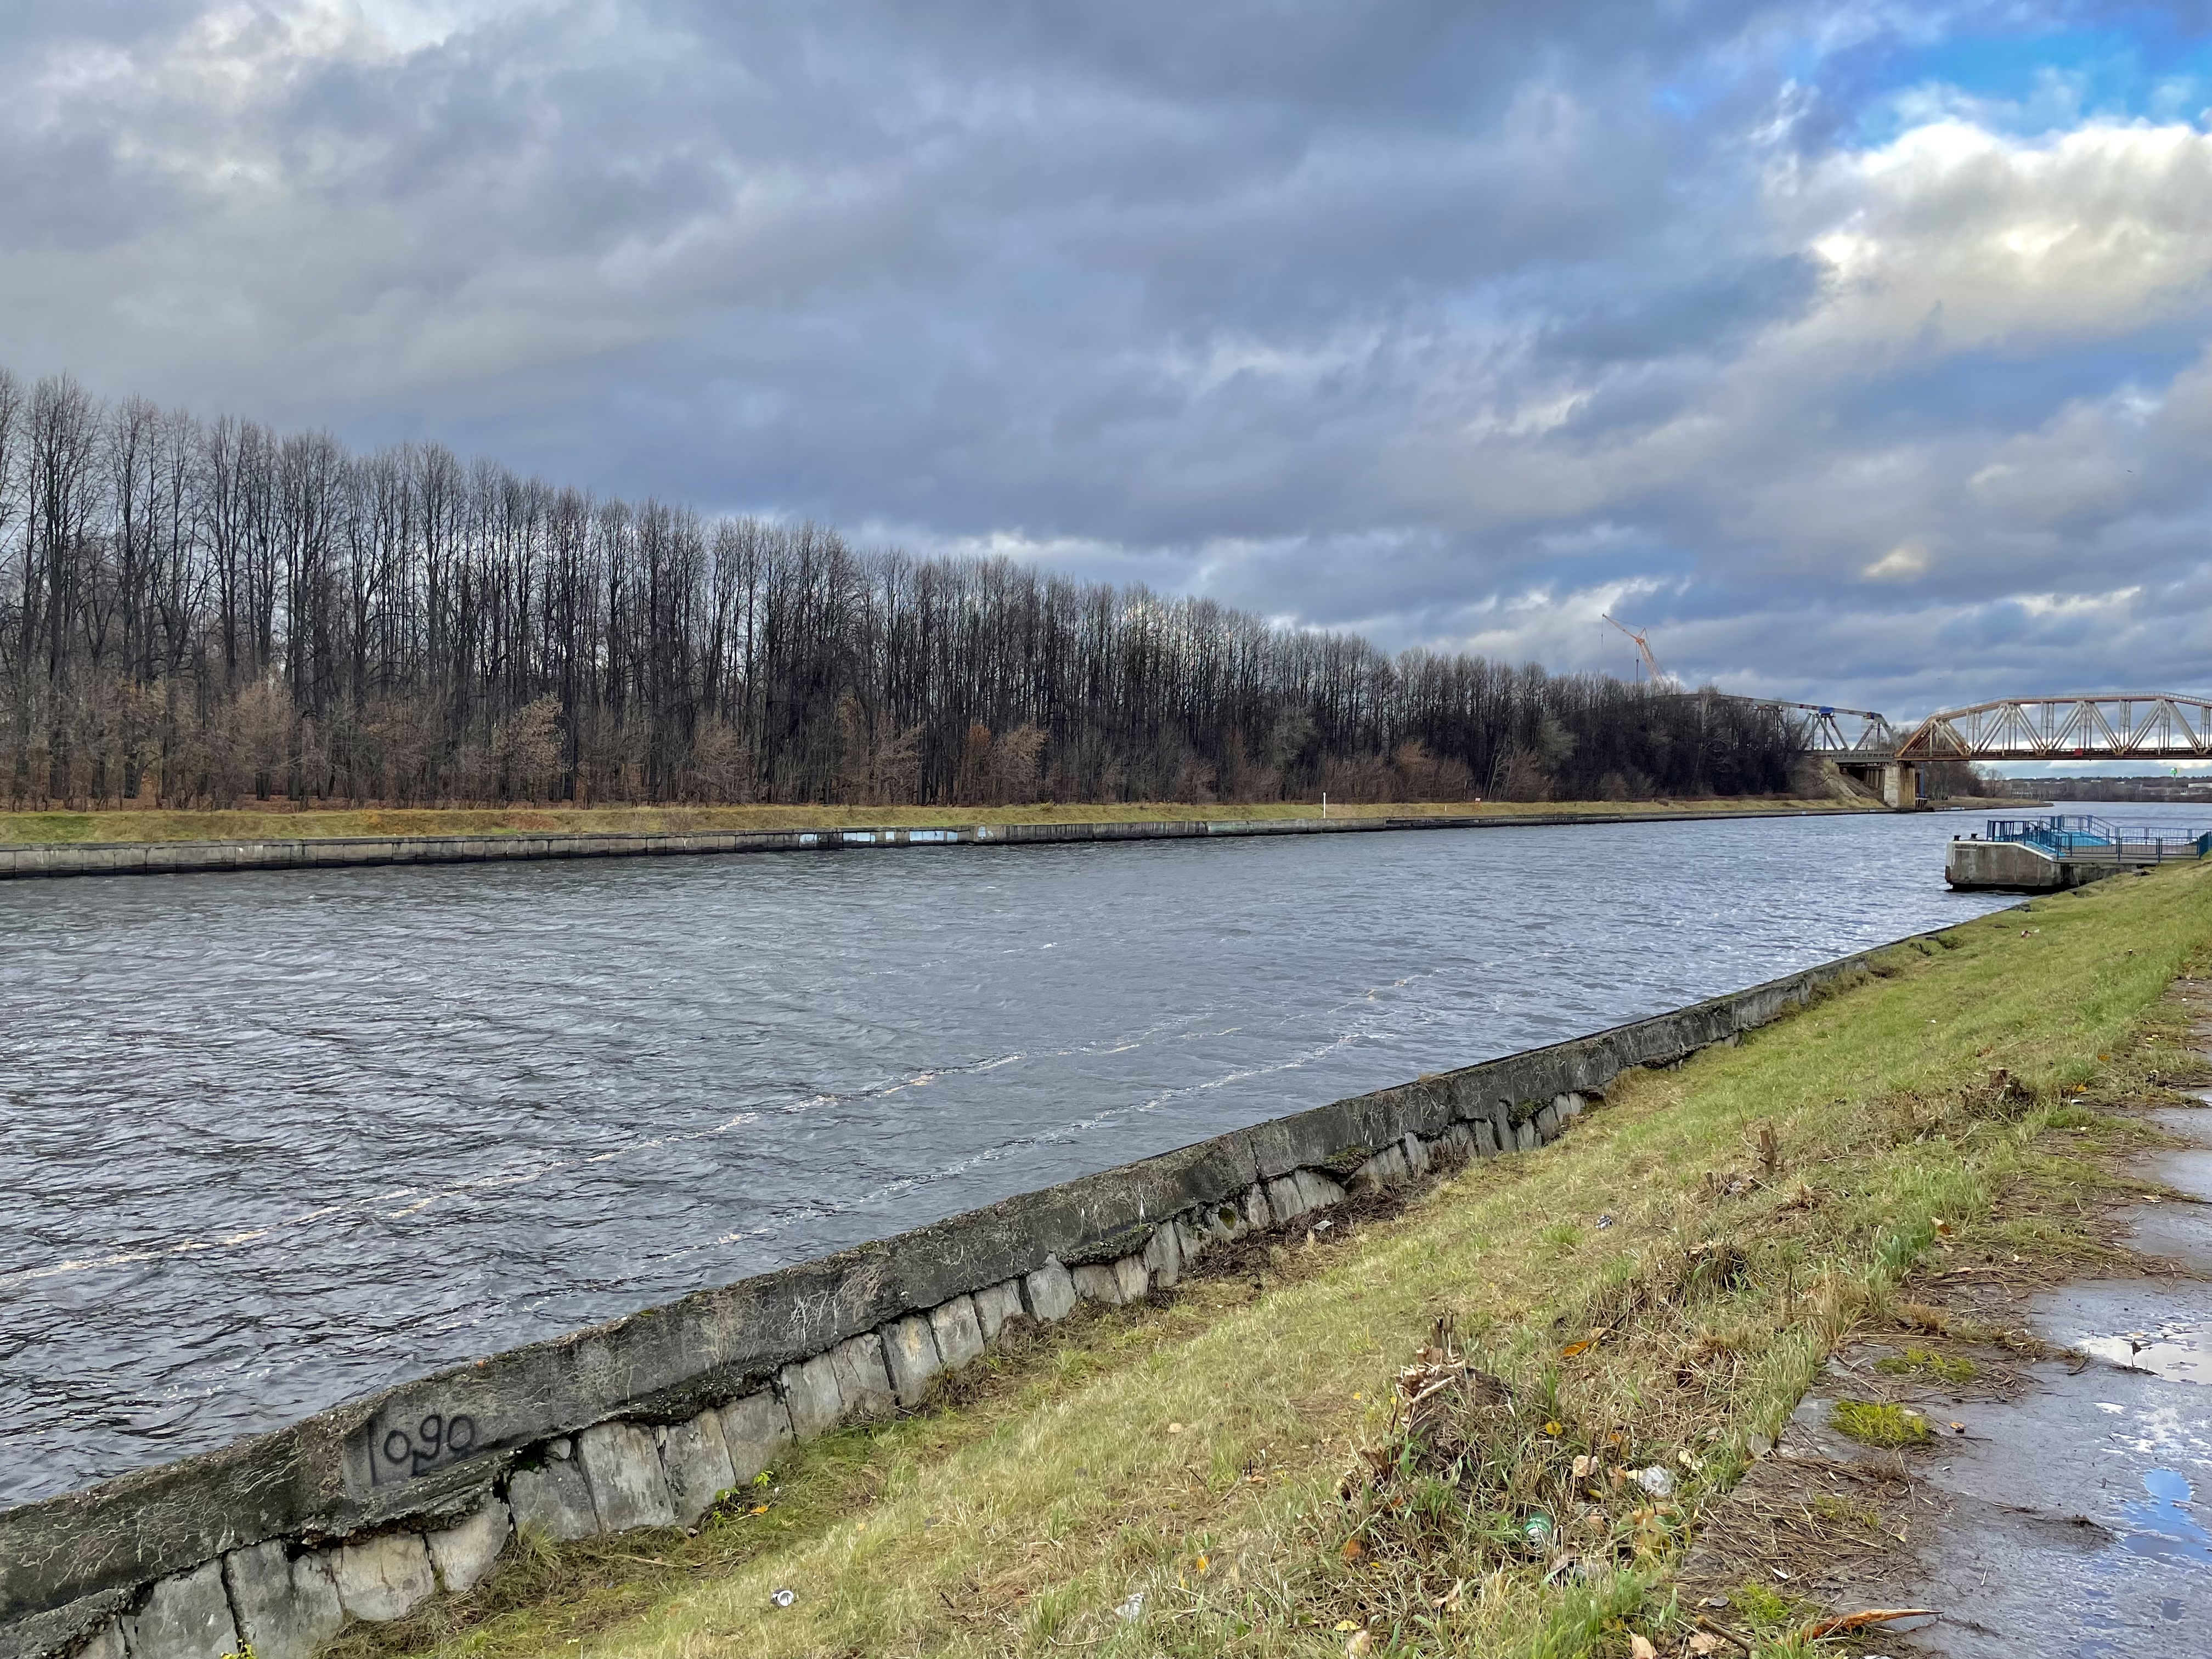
(307, 853)
(367, 1510)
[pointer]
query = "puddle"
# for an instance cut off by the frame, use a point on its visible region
(2163, 1326)
(2161, 1525)
(2173, 1350)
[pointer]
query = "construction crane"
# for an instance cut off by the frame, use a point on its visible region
(1659, 676)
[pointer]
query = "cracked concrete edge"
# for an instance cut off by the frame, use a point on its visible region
(322, 1480)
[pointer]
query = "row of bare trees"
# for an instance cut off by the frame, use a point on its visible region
(199, 611)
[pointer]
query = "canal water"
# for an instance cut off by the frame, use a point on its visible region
(268, 1141)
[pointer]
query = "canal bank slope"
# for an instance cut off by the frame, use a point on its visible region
(174, 843)
(1593, 1342)
(283, 822)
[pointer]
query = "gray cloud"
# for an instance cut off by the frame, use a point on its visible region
(1457, 327)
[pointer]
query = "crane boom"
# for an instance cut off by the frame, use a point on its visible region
(1644, 647)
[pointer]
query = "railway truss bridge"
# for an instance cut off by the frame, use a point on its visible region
(2135, 726)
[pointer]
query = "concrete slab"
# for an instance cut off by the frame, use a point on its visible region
(1164, 1256)
(1098, 1281)
(695, 1458)
(958, 1332)
(2190, 1123)
(464, 1555)
(1193, 1238)
(383, 1579)
(1049, 1293)
(186, 1617)
(755, 1430)
(1257, 1214)
(554, 1501)
(2189, 1172)
(995, 1305)
(1417, 1152)
(286, 1607)
(629, 1488)
(2175, 1230)
(863, 1382)
(1135, 1278)
(810, 1392)
(1386, 1169)
(910, 1355)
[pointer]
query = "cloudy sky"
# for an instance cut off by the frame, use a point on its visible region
(1857, 351)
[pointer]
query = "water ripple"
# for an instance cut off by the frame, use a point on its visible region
(271, 1141)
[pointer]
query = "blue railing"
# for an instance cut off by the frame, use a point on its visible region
(2082, 835)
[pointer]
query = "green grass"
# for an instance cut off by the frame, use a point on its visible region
(1877, 1424)
(281, 819)
(1958, 1086)
(1926, 1362)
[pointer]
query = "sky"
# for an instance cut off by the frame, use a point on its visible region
(1858, 352)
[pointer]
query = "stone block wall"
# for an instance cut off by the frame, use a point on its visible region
(367, 1510)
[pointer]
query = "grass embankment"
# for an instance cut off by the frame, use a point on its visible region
(142, 824)
(1229, 1465)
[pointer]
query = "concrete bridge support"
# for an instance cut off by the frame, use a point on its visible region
(1897, 782)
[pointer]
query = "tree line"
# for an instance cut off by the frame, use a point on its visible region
(199, 611)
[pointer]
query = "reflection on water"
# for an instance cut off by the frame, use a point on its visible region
(273, 1141)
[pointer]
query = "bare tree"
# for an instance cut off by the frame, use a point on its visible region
(216, 609)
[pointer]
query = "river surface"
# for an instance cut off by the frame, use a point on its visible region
(269, 1142)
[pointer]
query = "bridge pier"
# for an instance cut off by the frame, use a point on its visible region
(1897, 782)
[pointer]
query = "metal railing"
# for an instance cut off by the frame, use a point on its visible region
(2088, 839)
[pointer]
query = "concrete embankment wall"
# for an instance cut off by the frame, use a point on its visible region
(188, 857)
(2004, 866)
(367, 1510)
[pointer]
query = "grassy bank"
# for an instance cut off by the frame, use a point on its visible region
(145, 825)
(1228, 1471)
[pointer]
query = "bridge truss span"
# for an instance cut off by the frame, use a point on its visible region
(2131, 725)
(1838, 734)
